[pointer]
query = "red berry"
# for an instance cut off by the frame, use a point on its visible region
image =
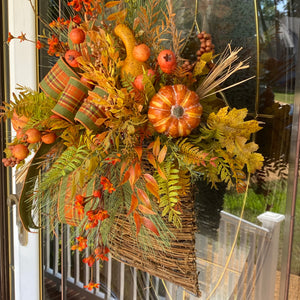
(77, 36)
(167, 61)
(71, 56)
(141, 52)
(33, 136)
(138, 81)
(20, 135)
(20, 151)
(49, 138)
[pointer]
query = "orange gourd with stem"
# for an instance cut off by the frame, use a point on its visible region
(130, 64)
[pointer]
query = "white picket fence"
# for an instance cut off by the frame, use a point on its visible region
(233, 266)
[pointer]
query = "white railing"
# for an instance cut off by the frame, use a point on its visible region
(233, 266)
(241, 269)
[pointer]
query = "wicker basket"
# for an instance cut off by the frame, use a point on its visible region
(176, 263)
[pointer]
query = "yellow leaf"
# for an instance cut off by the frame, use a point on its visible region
(199, 68)
(92, 165)
(117, 142)
(207, 56)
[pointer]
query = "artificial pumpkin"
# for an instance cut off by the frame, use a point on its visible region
(175, 110)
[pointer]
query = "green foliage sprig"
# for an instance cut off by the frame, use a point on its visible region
(31, 104)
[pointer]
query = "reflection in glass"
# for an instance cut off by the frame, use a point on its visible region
(269, 98)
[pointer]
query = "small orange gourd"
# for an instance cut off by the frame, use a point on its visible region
(175, 110)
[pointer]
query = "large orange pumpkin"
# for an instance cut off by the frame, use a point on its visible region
(175, 110)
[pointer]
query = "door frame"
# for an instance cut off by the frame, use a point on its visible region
(6, 276)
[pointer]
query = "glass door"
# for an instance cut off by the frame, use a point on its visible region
(268, 31)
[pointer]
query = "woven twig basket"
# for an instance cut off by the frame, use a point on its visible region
(176, 263)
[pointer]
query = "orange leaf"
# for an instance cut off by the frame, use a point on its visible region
(101, 136)
(124, 165)
(126, 177)
(134, 204)
(132, 176)
(151, 160)
(138, 171)
(149, 224)
(138, 222)
(162, 154)
(112, 3)
(146, 210)
(161, 173)
(120, 16)
(150, 146)
(136, 22)
(139, 151)
(149, 178)
(153, 190)
(156, 146)
(100, 121)
(144, 197)
(104, 59)
(152, 185)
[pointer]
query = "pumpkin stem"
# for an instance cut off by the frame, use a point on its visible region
(177, 111)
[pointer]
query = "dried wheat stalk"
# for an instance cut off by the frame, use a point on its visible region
(226, 65)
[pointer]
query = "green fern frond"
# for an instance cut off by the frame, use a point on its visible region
(69, 161)
(34, 105)
(190, 154)
(127, 81)
(170, 190)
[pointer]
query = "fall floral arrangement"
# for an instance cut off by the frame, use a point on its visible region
(124, 124)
